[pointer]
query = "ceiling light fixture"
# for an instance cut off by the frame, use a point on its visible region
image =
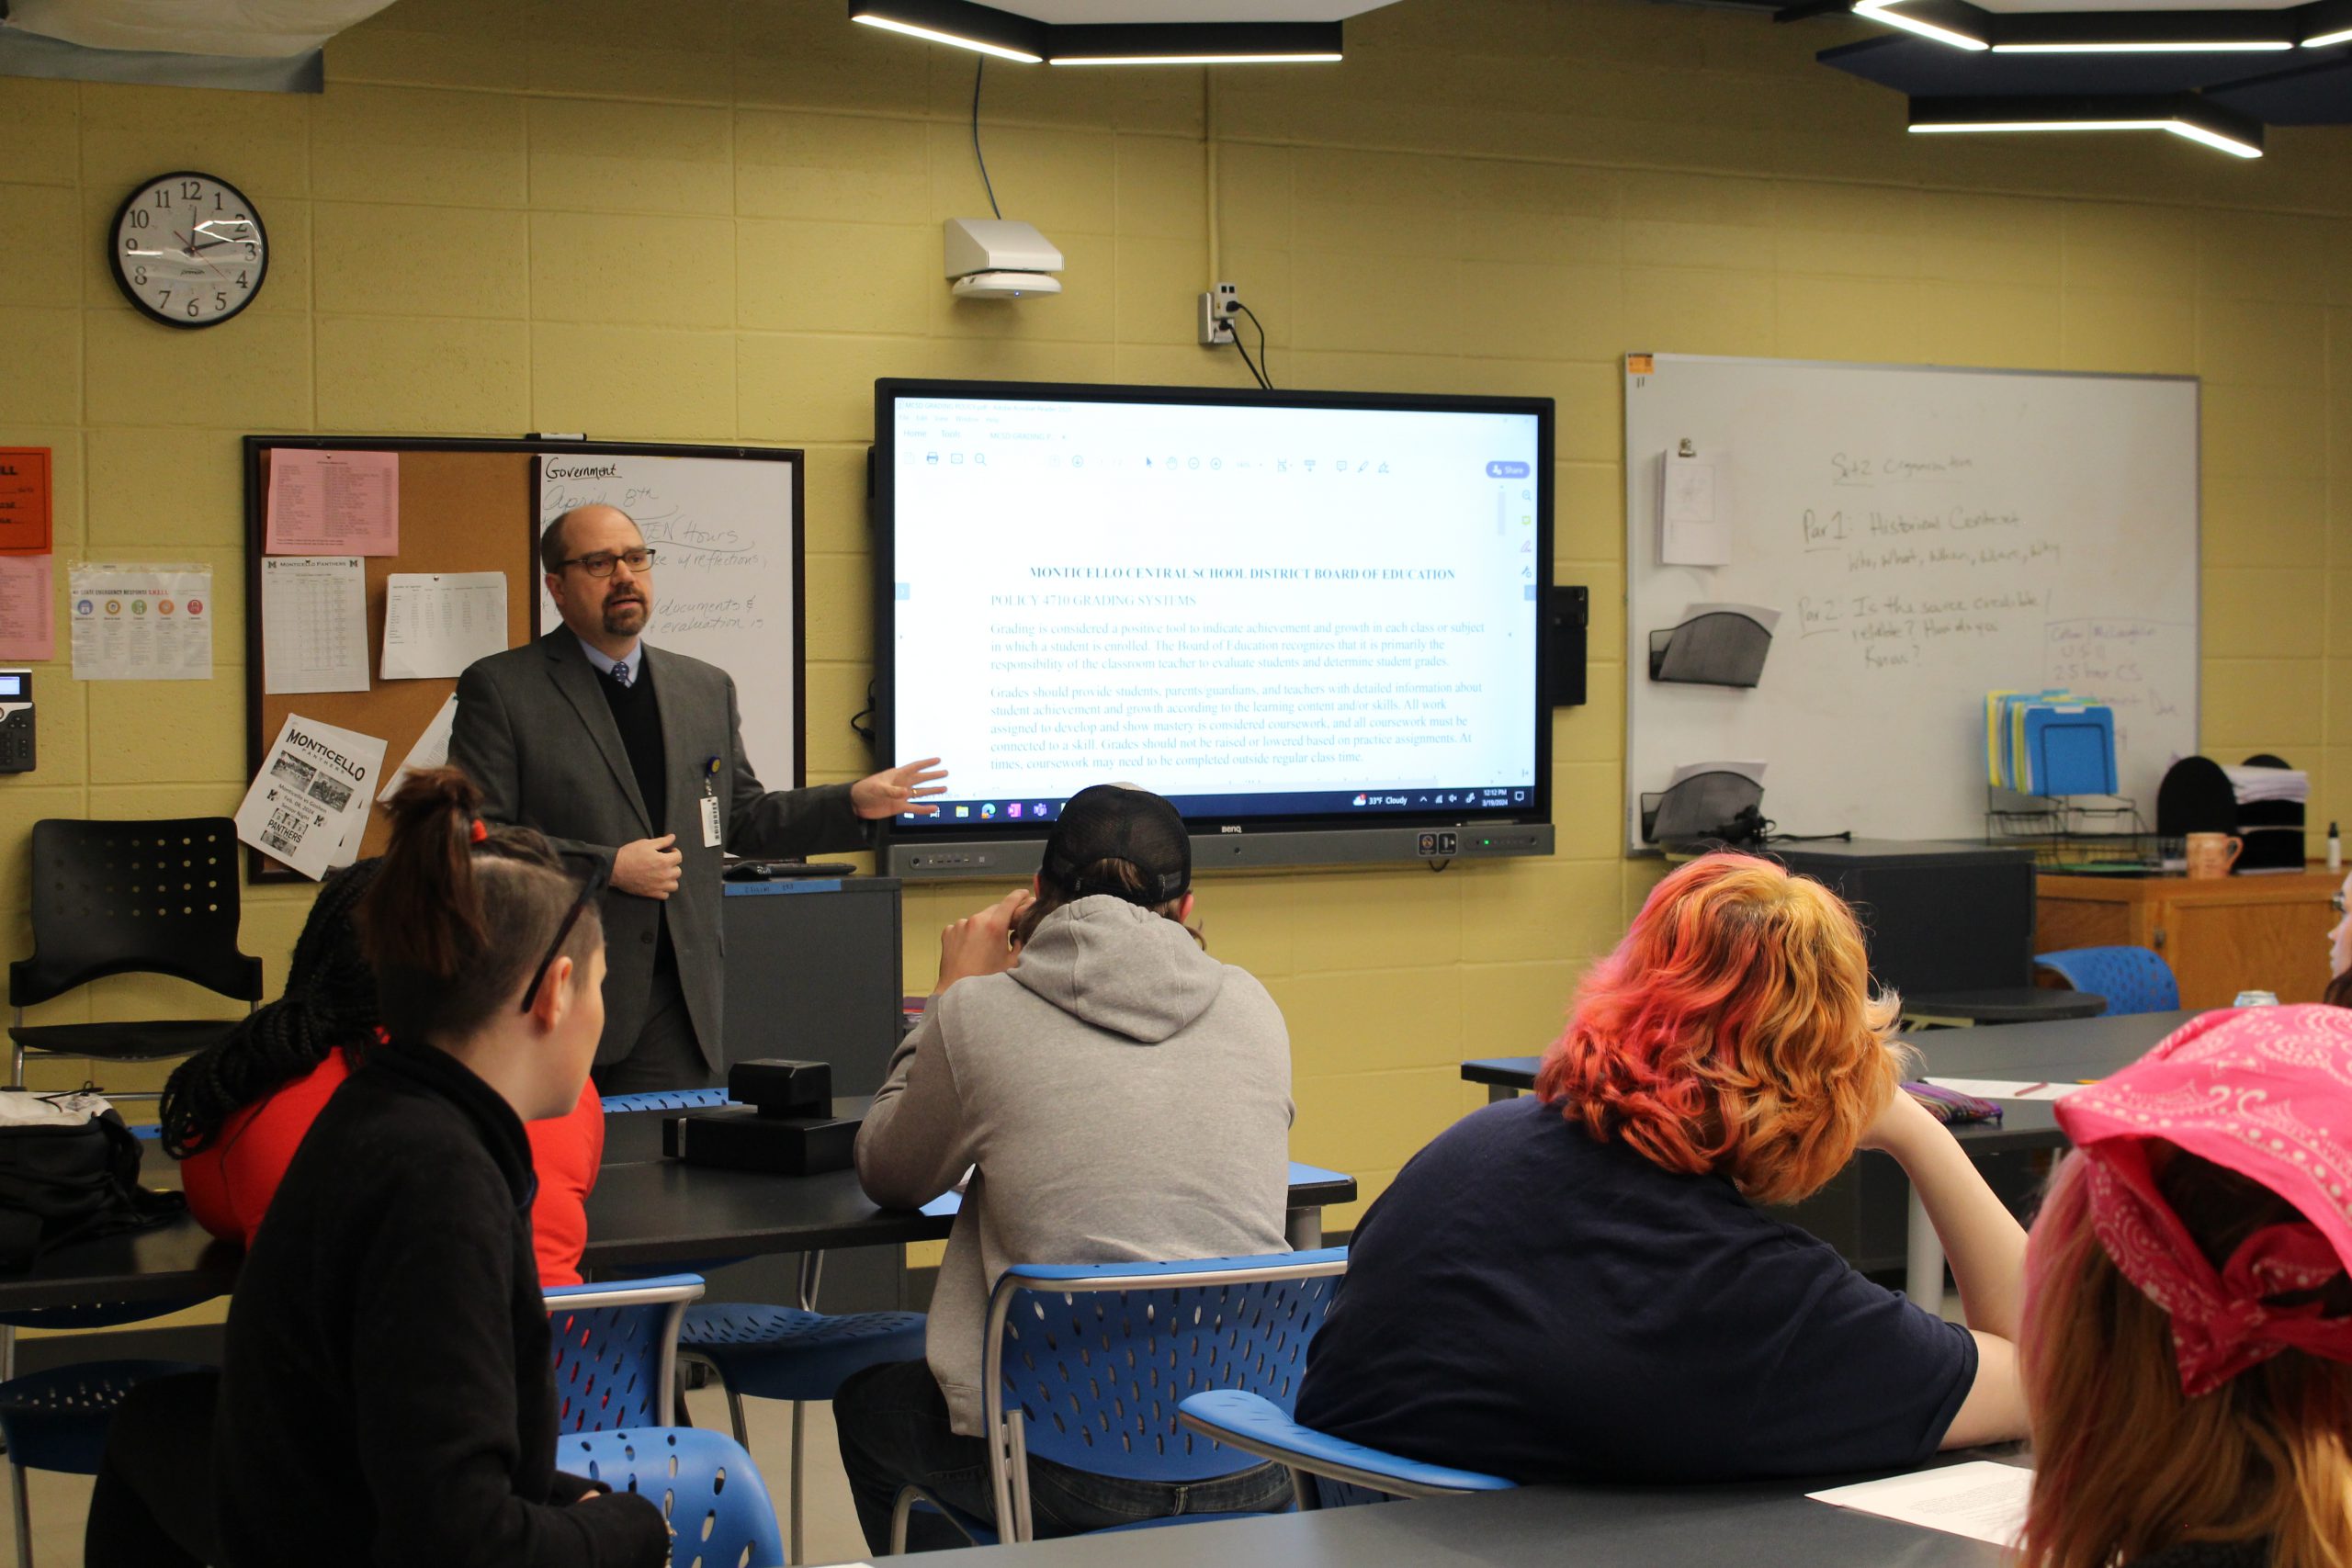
(2341, 34)
(2184, 115)
(983, 29)
(2197, 46)
(1192, 43)
(1191, 59)
(1922, 18)
(1964, 25)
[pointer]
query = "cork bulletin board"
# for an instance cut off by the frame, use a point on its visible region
(475, 505)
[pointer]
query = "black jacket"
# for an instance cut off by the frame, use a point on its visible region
(388, 1394)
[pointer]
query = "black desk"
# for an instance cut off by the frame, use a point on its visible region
(2001, 1004)
(1576, 1527)
(644, 1209)
(2074, 1049)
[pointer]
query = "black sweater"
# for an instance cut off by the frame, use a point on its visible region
(388, 1393)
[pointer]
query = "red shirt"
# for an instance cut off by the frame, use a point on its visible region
(231, 1181)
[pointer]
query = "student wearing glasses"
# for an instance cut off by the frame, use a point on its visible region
(635, 755)
(387, 1393)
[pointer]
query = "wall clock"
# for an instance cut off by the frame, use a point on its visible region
(190, 250)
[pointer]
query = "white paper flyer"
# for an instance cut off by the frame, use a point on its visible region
(142, 623)
(307, 805)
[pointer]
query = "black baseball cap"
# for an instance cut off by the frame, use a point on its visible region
(1119, 823)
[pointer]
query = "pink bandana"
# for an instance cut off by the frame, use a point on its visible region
(2266, 1093)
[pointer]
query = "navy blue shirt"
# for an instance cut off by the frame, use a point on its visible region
(1532, 1301)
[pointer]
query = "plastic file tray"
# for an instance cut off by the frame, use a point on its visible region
(2070, 750)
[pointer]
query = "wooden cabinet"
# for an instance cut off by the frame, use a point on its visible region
(2266, 933)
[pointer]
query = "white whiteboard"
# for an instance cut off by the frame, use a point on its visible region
(1928, 536)
(726, 533)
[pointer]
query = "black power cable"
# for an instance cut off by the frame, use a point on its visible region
(977, 156)
(1265, 375)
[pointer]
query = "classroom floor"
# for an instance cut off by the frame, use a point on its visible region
(61, 1502)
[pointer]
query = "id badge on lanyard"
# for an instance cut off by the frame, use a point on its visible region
(713, 829)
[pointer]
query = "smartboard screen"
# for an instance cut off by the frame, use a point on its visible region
(1267, 607)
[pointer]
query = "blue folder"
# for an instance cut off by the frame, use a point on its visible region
(2070, 750)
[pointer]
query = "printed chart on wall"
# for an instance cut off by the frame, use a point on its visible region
(726, 537)
(1898, 541)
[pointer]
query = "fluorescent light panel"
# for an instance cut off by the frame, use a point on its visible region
(1192, 43)
(2182, 114)
(1193, 59)
(960, 23)
(2340, 36)
(930, 36)
(1964, 25)
(1883, 11)
(2211, 46)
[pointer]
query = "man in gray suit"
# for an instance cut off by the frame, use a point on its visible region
(635, 756)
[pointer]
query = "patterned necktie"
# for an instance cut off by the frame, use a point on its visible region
(620, 676)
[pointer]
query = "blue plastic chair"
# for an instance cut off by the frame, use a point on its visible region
(616, 1352)
(795, 1354)
(1326, 1471)
(2133, 979)
(706, 1485)
(58, 1419)
(666, 1100)
(1086, 1364)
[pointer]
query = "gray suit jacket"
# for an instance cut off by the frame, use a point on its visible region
(534, 733)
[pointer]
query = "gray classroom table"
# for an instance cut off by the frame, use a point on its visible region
(1572, 1526)
(2058, 1052)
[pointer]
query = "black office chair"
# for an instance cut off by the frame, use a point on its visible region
(119, 897)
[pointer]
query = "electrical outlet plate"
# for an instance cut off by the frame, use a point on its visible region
(1216, 310)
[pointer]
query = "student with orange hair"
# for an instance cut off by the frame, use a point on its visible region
(1583, 1283)
(2189, 1328)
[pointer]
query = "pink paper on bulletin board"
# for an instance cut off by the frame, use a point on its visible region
(333, 504)
(27, 605)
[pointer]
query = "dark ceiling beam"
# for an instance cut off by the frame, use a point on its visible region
(2184, 114)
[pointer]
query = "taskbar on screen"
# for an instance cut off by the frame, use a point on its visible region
(1391, 800)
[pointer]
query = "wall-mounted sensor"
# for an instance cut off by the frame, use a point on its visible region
(996, 258)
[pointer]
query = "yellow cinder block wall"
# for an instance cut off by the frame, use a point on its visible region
(718, 220)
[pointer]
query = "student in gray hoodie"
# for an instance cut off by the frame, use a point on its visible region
(1118, 1094)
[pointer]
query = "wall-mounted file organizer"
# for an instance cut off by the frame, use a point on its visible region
(1719, 647)
(1701, 807)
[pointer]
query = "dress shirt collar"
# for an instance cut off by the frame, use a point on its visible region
(604, 663)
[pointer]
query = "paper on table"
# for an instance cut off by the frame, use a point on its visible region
(437, 622)
(314, 624)
(28, 597)
(1751, 770)
(1692, 530)
(432, 747)
(2007, 1089)
(322, 504)
(309, 803)
(1981, 1499)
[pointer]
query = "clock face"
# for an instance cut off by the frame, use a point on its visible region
(190, 250)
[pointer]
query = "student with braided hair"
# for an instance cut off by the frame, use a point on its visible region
(234, 1114)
